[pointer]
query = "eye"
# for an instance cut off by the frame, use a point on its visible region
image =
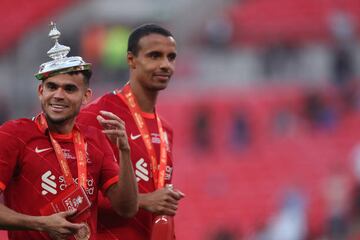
(172, 57)
(70, 88)
(154, 55)
(51, 86)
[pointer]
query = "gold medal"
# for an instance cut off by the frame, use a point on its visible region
(84, 233)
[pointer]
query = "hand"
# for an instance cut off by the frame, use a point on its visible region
(162, 201)
(114, 128)
(58, 227)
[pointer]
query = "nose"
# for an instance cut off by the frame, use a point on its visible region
(166, 65)
(59, 93)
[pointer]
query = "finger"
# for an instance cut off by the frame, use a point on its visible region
(182, 195)
(64, 232)
(64, 236)
(165, 210)
(115, 132)
(101, 120)
(169, 212)
(111, 116)
(171, 200)
(74, 227)
(172, 206)
(108, 123)
(176, 195)
(68, 213)
(113, 124)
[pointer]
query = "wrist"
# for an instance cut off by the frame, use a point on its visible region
(38, 223)
(125, 150)
(142, 200)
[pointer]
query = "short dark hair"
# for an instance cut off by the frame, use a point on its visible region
(86, 73)
(142, 31)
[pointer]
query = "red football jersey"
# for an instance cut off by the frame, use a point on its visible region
(30, 174)
(110, 225)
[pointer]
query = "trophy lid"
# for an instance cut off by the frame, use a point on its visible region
(60, 63)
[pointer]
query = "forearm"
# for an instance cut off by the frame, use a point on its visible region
(124, 194)
(11, 220)
(145, 201)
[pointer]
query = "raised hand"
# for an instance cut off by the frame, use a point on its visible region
(114, 128)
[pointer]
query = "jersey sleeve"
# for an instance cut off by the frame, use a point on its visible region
(169, 135)
(10, 151)
(110, 167)
(169, 142)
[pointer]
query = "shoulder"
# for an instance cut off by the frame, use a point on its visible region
(166, 125)
(108, 102)
(18, 127)
(20, 131)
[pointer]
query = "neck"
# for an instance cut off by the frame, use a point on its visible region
(145, 98)
(64, 127)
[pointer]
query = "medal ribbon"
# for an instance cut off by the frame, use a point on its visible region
(158, 172)
(79, 145)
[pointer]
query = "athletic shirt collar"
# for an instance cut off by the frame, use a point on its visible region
(143, 114)
(43, 127)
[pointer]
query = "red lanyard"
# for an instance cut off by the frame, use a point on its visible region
(159, 176)
(79, 145)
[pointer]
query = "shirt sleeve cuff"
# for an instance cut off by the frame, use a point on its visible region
(106, 185)
(2, 186)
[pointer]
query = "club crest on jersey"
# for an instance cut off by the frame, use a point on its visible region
(67, 154)
(155, 138)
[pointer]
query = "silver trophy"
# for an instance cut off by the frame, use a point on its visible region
(60, 63)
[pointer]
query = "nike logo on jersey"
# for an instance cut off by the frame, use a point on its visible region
(134, 137)
(40, 150)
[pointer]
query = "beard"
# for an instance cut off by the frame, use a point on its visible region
(56, 121)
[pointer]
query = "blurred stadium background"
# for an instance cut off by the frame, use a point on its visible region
(265, 103)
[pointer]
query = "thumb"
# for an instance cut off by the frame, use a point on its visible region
(68, 213)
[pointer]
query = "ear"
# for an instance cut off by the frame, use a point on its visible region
(131, 60)
(40, 90)
(87, 96)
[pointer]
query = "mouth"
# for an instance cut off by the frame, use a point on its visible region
(58, 107)
(163, 77)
